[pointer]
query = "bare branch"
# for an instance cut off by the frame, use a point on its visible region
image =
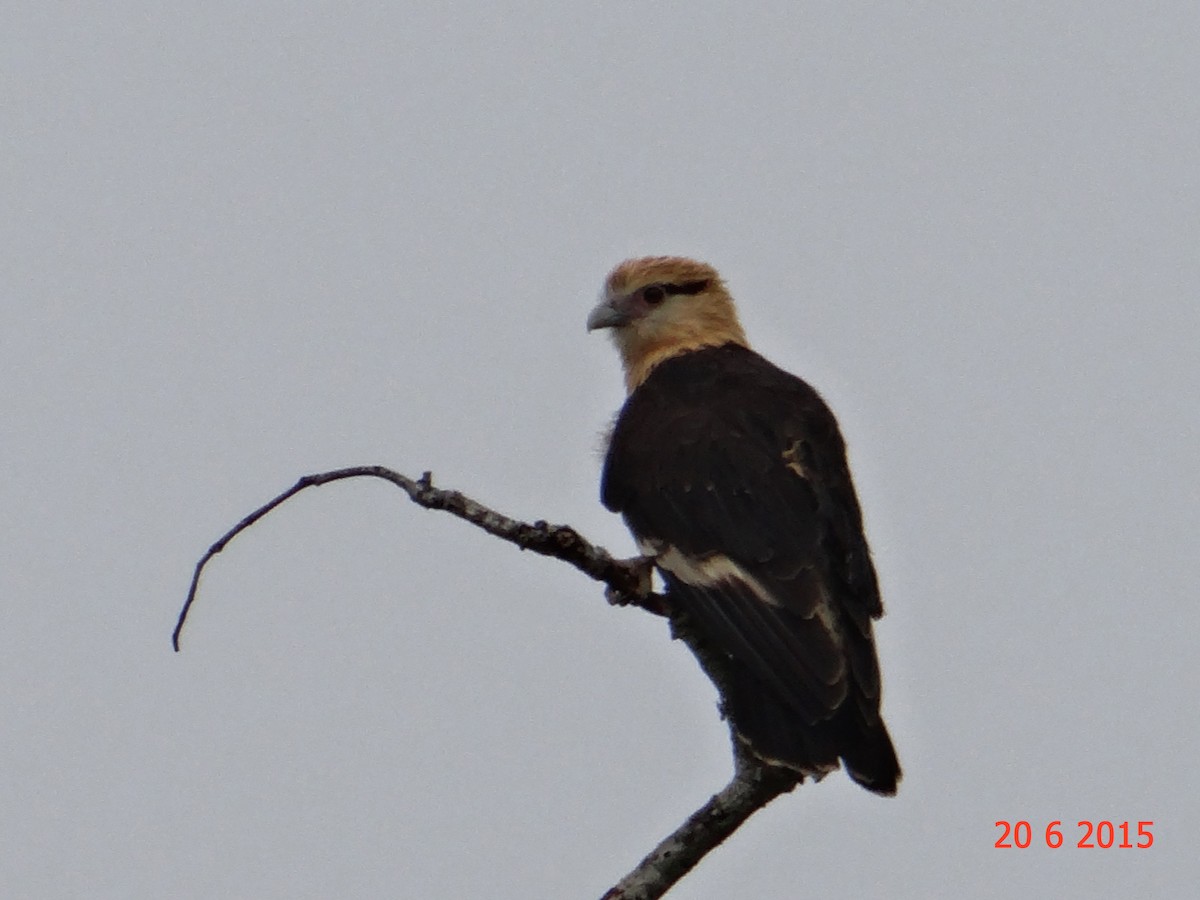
(754, 784)
(628, 581)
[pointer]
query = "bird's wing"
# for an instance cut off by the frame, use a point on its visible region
(737, 481)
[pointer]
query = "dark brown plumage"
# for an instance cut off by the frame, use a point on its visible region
(732, 473)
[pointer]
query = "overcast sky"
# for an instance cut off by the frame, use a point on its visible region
(243, 242)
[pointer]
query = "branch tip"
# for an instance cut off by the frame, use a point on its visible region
(558, 541)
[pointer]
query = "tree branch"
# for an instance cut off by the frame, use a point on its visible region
(628, 580)
(754, 784)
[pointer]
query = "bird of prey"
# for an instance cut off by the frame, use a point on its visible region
(731, 474)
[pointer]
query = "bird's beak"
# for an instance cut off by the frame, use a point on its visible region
(607, 315)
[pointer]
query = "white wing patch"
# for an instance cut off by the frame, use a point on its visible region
(707, 572)
(717, 569)
(791, 459)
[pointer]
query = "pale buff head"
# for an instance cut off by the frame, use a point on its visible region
(661, 306)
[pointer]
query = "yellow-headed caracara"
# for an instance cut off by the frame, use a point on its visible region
(732, 475)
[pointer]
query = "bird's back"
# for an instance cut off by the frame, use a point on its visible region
(733, 473)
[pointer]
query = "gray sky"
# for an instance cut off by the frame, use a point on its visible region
(246, 242)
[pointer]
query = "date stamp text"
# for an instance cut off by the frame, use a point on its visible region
(1087, 835)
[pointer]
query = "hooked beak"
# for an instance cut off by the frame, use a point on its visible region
(607, 315)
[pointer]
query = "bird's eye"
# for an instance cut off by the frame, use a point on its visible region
(654, 294)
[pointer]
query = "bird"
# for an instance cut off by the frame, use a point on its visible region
(732, 476)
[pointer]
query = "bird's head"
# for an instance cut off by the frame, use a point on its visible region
(660, 306)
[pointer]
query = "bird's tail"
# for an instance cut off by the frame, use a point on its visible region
(776, 734)
(870, 758)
